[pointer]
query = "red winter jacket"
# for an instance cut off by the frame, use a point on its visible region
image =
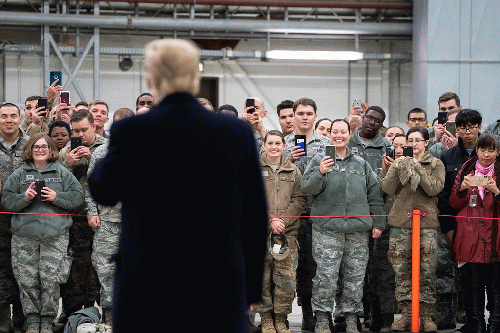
(473, 236)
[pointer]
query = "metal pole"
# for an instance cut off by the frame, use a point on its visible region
(46, 46)
(97, 50)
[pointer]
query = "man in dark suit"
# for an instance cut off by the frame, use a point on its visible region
(194, 216)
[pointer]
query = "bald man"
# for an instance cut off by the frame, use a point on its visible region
(194, 228)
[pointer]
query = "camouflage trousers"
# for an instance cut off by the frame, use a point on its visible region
(279, 281)
(40, 265)
(104, 247)
(400, 256)
(339, 253)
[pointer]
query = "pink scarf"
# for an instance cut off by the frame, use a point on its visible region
(482, 171)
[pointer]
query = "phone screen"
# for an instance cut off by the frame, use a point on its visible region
(300, 140)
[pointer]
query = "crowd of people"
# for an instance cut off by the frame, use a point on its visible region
(354, 260)
(340, 193)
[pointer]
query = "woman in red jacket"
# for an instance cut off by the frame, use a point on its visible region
(476, 194)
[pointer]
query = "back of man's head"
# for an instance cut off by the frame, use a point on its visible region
(172, 66)
(468, 117)
(122, 113)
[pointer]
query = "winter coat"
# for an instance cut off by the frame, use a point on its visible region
(453, 159)
(58, 178)
(474, 239)
(371, 152)
(432, 174)
(284, 194)
(349, 189)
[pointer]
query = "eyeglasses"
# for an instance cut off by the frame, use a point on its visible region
(410, 141)
(42, 147)
(467, 129)
(372, 118)
(417, 119)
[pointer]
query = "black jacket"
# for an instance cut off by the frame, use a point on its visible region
(194, 218)
(453, 159)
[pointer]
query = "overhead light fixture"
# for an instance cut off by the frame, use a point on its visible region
(125, 63)
(201, 66)
(314, 55)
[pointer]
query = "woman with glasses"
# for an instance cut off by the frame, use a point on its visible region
(43, 188)
(476, 194)
(415, 181)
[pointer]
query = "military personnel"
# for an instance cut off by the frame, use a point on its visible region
(40, 243)
(254, 115)
(12, 141)
(493, 128)
(106, 231)
(346, 186)
(305, 116)
(368, 143)
(82, 287)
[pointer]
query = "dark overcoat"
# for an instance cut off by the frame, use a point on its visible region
(194, 218)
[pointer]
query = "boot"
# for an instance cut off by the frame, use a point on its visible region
(280, 323)
(426, 323)
(351, 320)
(445, 317)
(266, 320)
(321, 322)
(403, 324)
(307, 316)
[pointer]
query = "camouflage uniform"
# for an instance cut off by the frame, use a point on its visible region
(10, 160)
(330, 249)
(400, 258)
(279, 282)
(40, 265)
(82, 288)
(105, 237)
(306, 268)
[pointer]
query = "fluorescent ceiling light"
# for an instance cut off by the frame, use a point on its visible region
(314, 55)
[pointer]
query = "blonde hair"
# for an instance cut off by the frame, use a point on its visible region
(172, 66)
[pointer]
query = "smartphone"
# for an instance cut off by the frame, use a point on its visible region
(331, 152)
(451, 127)
(39, 185)
(54, 75)
(42, 102)
(391, 152)
(76, 142)
(442, 117)
(479, 180)
(250, 102)
(408, 151)
(64, 98)
(357, 104)
(300, 140)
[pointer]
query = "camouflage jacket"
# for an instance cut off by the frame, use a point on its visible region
(10, 157)
(93, 208)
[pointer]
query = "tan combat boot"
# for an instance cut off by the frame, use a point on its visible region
(426, 323)
(280, 323)
(403, 324)
(351, 320)
(266, 320)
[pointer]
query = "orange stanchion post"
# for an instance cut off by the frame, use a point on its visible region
(415, 272)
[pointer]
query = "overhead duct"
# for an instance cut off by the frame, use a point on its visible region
(215, 25)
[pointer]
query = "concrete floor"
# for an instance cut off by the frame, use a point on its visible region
(295, 320)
